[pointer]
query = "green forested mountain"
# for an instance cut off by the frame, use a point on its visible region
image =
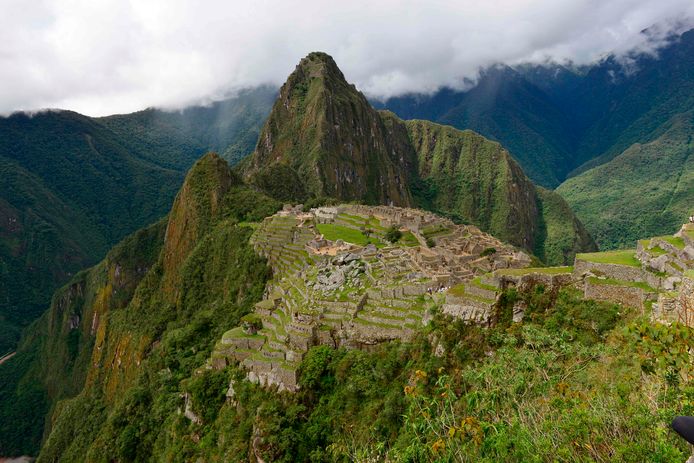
(554, 119)
(323, 140)
(558, 121)
(72, 186)
(119, 363)
(647, 190)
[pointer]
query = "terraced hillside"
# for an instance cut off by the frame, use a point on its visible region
(339, 281)
(657, 278)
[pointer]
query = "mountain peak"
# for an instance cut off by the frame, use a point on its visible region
(195, 208)
(323, 139)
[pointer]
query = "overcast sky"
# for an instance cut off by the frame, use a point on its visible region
(113, 56)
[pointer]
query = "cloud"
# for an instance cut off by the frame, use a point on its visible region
(107, 56)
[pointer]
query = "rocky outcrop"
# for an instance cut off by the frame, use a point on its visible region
(323, 139)
(324, 134)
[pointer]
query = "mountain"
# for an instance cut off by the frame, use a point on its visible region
(506, 107)
(125, 365)
(560, 120)
(323, 140)
(179, 277)
(72, 186)
(647, 190)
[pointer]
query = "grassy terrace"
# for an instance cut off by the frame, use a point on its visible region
(360, 221)
(625, 257)
(459, 291)
(689, 273)
(655, 251)
(613, 282)
(529, 270)
(673, 240)
(334, 232)
(478, 282)
(408, 239)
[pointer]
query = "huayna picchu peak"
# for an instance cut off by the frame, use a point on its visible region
(324, 140)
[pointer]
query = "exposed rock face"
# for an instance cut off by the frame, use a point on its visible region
(323, 139)
(323, 133)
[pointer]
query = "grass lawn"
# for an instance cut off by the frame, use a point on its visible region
(673, 240)
(334, 232)
(625, 257)
(408, 239)
(459, 290)
(529, 270)
(478, 282)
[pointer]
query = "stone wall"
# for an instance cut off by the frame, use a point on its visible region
(617, 272)
(626, 295)
(467, 309)
(685, 302)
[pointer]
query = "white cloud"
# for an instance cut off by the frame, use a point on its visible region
(105, 56)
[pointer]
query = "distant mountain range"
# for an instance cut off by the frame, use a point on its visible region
(71, 186)
(560, 122)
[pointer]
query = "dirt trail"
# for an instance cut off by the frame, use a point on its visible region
(3, 359)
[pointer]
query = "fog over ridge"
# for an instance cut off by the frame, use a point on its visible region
(108, 56)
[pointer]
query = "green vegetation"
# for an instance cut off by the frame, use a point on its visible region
(528, 270)
(655, 197)
(634, 284)
(676, 241)
(627, 257)
(571, 382)
(335, 232)
(72, 186)
(393, 234)
(488, 252)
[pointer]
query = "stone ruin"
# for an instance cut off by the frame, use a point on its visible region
(345, 295)
(341, 294)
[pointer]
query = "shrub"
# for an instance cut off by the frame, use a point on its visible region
(393, 234)
(488, 252)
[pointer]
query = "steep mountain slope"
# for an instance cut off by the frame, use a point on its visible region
(122, 364)
(468, 177)
(72, 186)
(187, 277)
(506, 107)
(68, 191)
(647, 190)
(322, 139)
(554, 119)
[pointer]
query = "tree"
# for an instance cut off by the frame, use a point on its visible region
(393, 234)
